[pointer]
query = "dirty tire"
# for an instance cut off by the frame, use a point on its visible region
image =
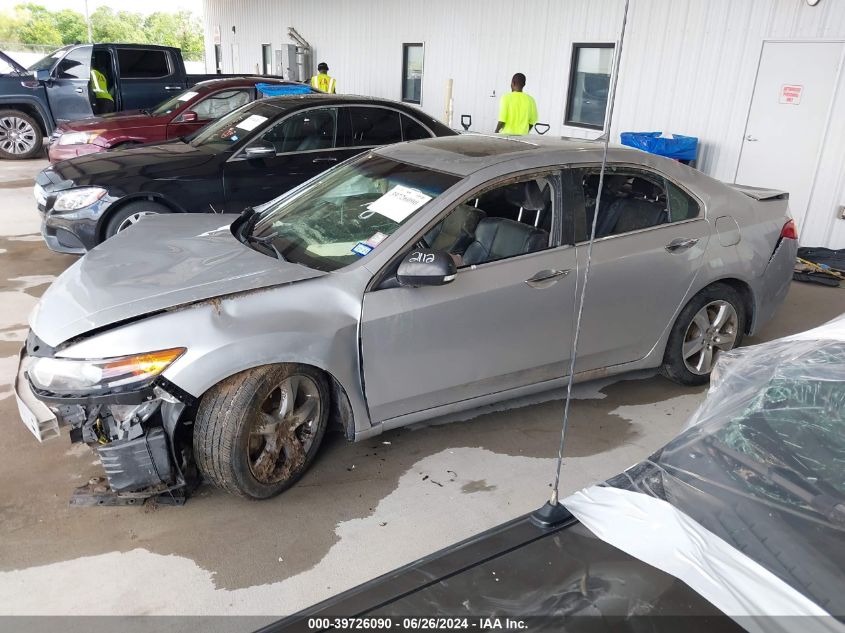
(28, 141)
(228, 417)
(674, 367)
(122, 218)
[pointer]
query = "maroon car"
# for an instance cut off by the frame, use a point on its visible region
(176, 117)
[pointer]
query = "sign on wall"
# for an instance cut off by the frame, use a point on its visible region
(790, 94)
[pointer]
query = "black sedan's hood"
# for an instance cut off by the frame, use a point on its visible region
(173, 160)
(162, 262)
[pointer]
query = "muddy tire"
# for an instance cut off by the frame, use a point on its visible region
(129, 214)
(258, 431)
(20, 136)
(711, 323)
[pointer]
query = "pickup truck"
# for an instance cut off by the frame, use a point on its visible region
(56, 88)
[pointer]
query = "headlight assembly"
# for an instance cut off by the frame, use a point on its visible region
(70, 376)
(79, 138)
(73, 199)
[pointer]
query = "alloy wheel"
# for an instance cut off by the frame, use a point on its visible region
(712, 331)
(17, 136)
(133, 219)
(284, 429)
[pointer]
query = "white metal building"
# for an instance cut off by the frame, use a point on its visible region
(760, 82)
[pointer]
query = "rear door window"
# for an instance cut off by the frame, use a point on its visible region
(220, 103)
(139, 63)
(373, 126)
(413, 130)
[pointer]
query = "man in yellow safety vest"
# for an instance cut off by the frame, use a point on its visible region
(322, 81)
(100, 88)
(517, 110)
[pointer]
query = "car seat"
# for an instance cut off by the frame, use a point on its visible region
(528, 197)
(456, 231)
(498, 238)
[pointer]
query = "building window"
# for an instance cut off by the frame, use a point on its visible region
(412, 73)
(267, 58)
(218, 59)
(589, 85)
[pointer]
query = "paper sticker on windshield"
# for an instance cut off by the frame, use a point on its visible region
(251, 122)
(362, 249)
(187, 96)
(398, 203)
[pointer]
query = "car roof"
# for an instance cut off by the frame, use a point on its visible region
(320, 98)
(225, 82)
(467, 153)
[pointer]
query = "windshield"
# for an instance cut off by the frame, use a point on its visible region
(234, 127)
(173, 103)
(46, 63)
(345, 215)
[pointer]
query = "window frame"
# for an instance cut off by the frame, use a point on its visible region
(346, 108)
(167, 61)
(581, 207)
(405, 47)
(264, 48)
(240, 154)
(570, 91)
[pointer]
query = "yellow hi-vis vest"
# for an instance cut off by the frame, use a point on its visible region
(323, 83)
(99, 86)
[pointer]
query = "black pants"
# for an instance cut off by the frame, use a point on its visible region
(104, 106)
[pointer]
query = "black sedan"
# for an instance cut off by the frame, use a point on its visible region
(241, 160)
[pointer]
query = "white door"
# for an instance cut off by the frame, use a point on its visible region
(788, 118)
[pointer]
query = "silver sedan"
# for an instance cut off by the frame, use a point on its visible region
(416, 280)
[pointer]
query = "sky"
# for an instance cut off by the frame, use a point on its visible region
(145, 7)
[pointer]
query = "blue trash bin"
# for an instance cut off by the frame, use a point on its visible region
(682, 148)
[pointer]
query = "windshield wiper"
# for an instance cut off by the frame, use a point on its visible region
(265, 242)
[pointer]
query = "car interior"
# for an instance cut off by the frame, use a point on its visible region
(310, 130)
(220, 103)
(507, 221)
(629, 202)
(102, 61)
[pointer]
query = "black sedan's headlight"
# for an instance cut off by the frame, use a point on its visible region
(73, 199)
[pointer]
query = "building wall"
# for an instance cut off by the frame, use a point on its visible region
(688, 65)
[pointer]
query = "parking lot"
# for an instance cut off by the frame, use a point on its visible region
(361, 510)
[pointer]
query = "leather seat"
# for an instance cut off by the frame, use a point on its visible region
(456, 231)
(498, 238)
(527, 196)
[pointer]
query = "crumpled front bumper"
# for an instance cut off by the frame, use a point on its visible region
(35, 415)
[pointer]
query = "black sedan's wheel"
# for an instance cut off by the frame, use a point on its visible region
(20, 135)
(711, 323)
(130, 214)
(257, 432)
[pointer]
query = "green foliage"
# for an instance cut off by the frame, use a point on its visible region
(31, 23)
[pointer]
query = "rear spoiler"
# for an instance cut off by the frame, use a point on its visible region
(759, 193)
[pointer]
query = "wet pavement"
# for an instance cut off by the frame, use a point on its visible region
(361, 510)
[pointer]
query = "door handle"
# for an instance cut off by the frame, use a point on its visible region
(79, 90)
(748, 137)
(545, 278)
(173, 88)
(329, 159)
(680, 245)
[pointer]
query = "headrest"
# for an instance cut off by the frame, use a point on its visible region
(526, 195)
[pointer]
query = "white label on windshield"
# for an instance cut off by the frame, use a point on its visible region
(398, 203)
(251, 122)
(187, 96)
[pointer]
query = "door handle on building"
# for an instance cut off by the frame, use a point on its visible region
(680, 245)
(748, 137)
(545, 278)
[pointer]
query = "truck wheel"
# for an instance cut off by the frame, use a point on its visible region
(257, 432)
(129, 214)
(711, 323)
(20, 135)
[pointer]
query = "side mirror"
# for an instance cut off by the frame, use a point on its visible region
(259, 151)
(423, 267)
(188, 117)
(42, 75)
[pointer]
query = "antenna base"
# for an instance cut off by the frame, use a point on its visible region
(551, 515)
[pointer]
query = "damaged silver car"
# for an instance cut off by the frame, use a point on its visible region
(416, 280)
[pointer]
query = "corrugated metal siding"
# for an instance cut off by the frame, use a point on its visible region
(688, 66)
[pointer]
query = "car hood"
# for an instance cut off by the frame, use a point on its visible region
(111, 122)
(13, 63)
(170, 161)
(162, 262)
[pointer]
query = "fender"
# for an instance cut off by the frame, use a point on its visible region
(32, 101)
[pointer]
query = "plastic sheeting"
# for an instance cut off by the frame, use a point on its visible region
(747, 505)
(675, 146)
(277, 90)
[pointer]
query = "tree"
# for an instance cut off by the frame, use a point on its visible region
(71, 25)
(37, 25)
(181, 29)
(121, 26)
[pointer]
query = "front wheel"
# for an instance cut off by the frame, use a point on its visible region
(130, 214)
(711, 323)
(20, 135)
(258, 431)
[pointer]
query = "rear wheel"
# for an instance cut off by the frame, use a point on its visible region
(130, 214)
(711, 323)
(258, 431)
(20, 135)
